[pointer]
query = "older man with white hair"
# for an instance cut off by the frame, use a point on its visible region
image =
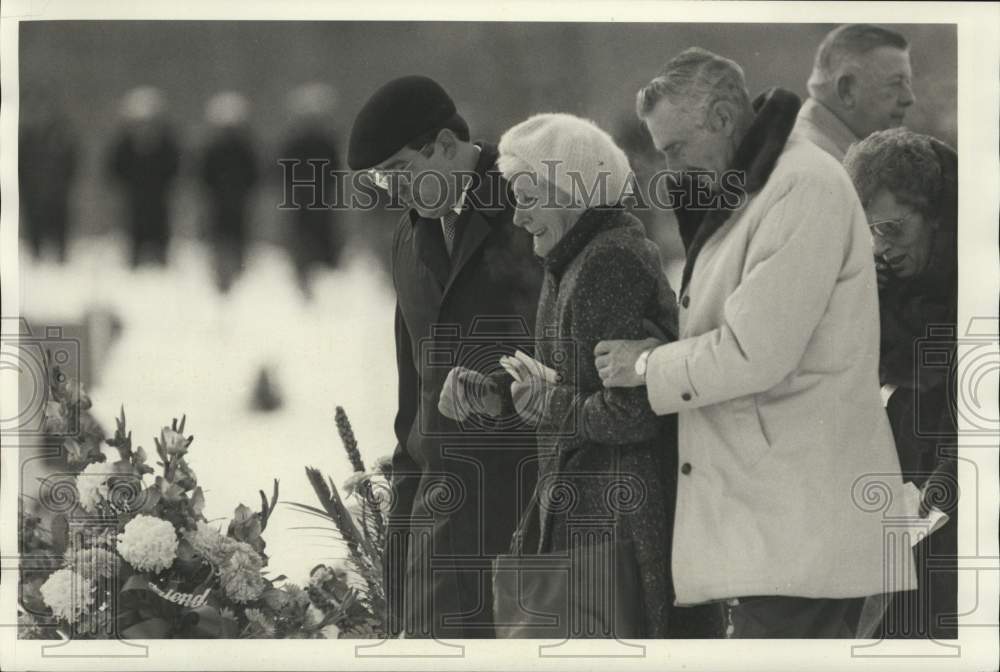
(860, 83)
(775, 375)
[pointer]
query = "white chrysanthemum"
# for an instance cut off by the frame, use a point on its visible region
(330, 631)
(148, 543)
(68, 594)
(91, 485)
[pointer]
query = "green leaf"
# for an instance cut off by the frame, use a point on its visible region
(173, 492)
(121, 467)
(263, 504)
(185, 551)
(198, 501)
(248, 531)
(59, 529)
(72, 449)
(274, 598)
(151, 497)
(311, 509)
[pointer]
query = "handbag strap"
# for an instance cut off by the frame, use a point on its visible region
(531, 512)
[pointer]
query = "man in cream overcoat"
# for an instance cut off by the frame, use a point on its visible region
(782, 435)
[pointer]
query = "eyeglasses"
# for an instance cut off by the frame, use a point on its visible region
(383, 179)
(890, 229)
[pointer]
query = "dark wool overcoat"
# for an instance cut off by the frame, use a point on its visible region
(459, 489)
(918, 338)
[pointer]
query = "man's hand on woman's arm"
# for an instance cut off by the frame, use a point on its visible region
(615, 361)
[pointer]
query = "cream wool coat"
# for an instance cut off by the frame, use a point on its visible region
(775, 382)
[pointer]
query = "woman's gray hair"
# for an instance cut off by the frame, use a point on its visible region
(900, 161)
(842, 49)
(697, 75)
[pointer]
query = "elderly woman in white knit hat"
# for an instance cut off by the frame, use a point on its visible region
(604, 456)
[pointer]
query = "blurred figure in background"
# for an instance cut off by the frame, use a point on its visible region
(47, 159)
(908, 184)
(228, 172)
(144, 160)
(314, 239)
(860, 84)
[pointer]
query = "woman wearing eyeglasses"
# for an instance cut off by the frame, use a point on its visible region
(909, 188)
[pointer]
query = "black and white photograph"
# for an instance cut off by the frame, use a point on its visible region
(632, 332)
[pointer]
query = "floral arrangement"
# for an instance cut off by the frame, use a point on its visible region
(130, 554)
(66, 415)
(361, 525)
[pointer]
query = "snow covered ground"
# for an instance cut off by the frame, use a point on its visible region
(185, 348)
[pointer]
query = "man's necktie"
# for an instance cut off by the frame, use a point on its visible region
(449, 228)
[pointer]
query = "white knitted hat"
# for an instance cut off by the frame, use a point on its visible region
(573, 153)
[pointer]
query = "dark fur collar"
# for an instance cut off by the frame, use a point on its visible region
(591, 222)
(756, 156)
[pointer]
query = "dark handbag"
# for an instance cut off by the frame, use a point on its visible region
(590, 590)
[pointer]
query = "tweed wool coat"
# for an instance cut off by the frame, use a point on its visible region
(788, 467)
(596, 445)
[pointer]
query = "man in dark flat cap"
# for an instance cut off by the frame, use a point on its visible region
(467, 287)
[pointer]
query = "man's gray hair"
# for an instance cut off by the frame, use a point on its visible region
(843, 47)
(697, 75)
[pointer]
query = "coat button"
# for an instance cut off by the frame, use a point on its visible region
(686, 468)
(686, 396)
(686, 301)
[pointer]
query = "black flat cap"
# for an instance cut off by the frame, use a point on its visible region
(397, 113)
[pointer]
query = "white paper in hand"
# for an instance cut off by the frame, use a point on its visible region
(536, 368)
(510, 365)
